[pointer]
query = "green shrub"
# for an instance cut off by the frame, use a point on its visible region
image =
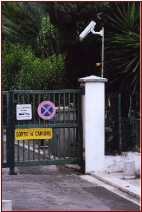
(22, 70)
(11, 65)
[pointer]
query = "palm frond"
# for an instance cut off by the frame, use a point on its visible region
(122, 46)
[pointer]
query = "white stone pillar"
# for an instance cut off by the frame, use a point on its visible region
(93, 117)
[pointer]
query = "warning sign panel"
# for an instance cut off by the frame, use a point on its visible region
(23, 112)
(33, 133)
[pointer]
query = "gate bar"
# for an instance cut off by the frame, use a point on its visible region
(11, 133)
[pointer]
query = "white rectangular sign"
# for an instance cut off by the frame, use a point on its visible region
(23, 112)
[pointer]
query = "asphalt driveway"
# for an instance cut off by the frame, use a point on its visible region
(58, 188)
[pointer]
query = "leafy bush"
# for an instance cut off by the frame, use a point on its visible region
(22, 70)
(11, 65)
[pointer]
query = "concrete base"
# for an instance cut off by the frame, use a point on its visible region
(6, 205)
(129, 177)
(129, 169)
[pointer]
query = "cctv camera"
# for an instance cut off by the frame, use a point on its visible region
(88, 29)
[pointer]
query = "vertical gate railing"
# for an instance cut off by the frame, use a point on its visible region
(66, 145)
(113, 139)
(8, 131)
(121, 134)
(5, 99)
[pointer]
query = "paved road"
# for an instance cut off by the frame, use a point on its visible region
(57, 188)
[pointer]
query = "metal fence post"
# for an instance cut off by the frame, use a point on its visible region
(133, 133)
(11, 133)
(119, 123)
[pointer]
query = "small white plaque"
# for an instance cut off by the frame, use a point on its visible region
(23, 112)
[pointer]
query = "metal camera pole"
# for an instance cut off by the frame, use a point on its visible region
(102, 70)
(100, 16)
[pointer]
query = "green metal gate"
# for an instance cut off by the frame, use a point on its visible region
(65, 145)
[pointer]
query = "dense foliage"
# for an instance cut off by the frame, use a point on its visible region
(123, 47)
(122, 58)
(23, 70)
(41, 46)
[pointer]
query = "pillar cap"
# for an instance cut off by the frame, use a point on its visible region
(92, 78)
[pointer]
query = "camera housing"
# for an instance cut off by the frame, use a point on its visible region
(88, 29)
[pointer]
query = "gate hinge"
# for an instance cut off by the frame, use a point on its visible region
(82, 90)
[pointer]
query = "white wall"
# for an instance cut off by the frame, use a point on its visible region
(116, 163)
